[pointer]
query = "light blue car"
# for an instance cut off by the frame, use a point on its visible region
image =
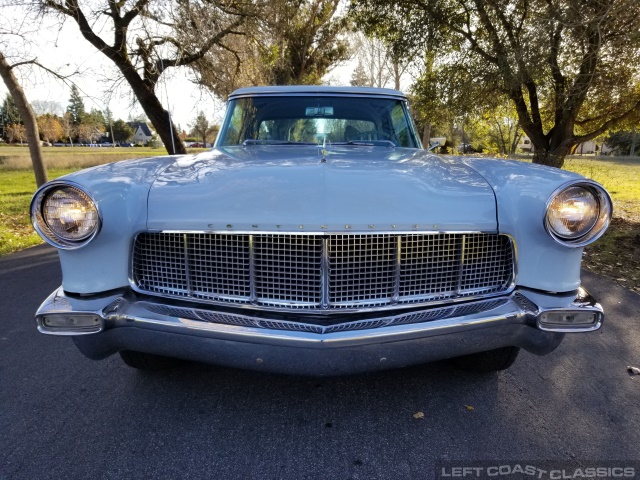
(318, 237)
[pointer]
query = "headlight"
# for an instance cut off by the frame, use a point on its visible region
(65, 215)
(578, 214)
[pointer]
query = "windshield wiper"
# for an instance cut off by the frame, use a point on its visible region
(368, 143)
(251, 141)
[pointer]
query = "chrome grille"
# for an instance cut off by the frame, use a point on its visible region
(287, 268)
(362, 268)
(322, 271)
(218, 265)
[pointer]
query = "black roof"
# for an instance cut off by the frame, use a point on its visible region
(143, 125)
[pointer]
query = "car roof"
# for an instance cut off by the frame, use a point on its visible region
(316, 90)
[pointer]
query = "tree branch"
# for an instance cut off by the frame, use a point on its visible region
(608, 124)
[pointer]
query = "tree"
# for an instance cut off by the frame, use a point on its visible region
(304, 41)
(76, 106)
(290, 42)
(92, 127)
(16, 132)
(359, 76)
(623, 142)
(28, 117)
(200, 128)
(10, 112)
(384, 67)
(566, 65)
(150, 36)
(42, 107)
(68, 128)
(50, 128)
(121, 131)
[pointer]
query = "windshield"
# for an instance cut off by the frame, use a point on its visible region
(317, 120)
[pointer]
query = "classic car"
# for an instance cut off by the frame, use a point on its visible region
(317, 237)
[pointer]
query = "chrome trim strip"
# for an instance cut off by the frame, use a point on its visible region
(185, 246)
(329, 232)
(324, 275)
(253, 297)
(423, 316)
(461, 273)
(396, 288)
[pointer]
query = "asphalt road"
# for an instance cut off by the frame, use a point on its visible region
(63, 416)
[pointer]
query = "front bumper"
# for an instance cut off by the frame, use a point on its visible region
(103, 325)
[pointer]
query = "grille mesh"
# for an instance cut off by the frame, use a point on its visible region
(287, 268)
(362, 268)
(320, 271)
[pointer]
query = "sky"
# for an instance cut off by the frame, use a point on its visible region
(60, 47)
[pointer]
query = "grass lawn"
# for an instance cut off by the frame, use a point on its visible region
(17, 183)
(16, 190)
(616, 255)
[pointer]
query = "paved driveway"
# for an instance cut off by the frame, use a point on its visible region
(64, 416)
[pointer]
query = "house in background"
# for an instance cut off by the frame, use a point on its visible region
(143, 133)
(589, 147)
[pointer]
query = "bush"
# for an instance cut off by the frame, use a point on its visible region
(620, 142)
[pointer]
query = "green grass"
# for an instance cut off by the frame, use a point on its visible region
(619, 175)
(16, 190)
(17, 158)
(17, 183)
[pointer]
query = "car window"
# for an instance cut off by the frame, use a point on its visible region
(316, 120)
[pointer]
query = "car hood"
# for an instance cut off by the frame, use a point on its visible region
(295, 188)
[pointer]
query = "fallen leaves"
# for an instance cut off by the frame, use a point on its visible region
(469, 407)
(633, 370)
(418, 415)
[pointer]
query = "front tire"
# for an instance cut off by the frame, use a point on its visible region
(490, 361)
(148, 361)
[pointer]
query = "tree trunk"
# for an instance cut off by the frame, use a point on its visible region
(550, 157)
(552, 148)
(28, 117)
(154, 110)
(426, 135)
(516, 140)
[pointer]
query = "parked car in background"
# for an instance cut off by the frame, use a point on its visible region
(466, 148)
(318, 237)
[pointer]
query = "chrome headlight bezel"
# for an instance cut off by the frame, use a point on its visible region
(605, 211)
(41, 226)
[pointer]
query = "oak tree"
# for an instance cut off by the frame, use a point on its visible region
(147, 37)
(568, 66)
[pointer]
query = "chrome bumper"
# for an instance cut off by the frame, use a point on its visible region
(103, 325)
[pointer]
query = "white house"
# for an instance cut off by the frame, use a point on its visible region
(142, 133)
(587, 148)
